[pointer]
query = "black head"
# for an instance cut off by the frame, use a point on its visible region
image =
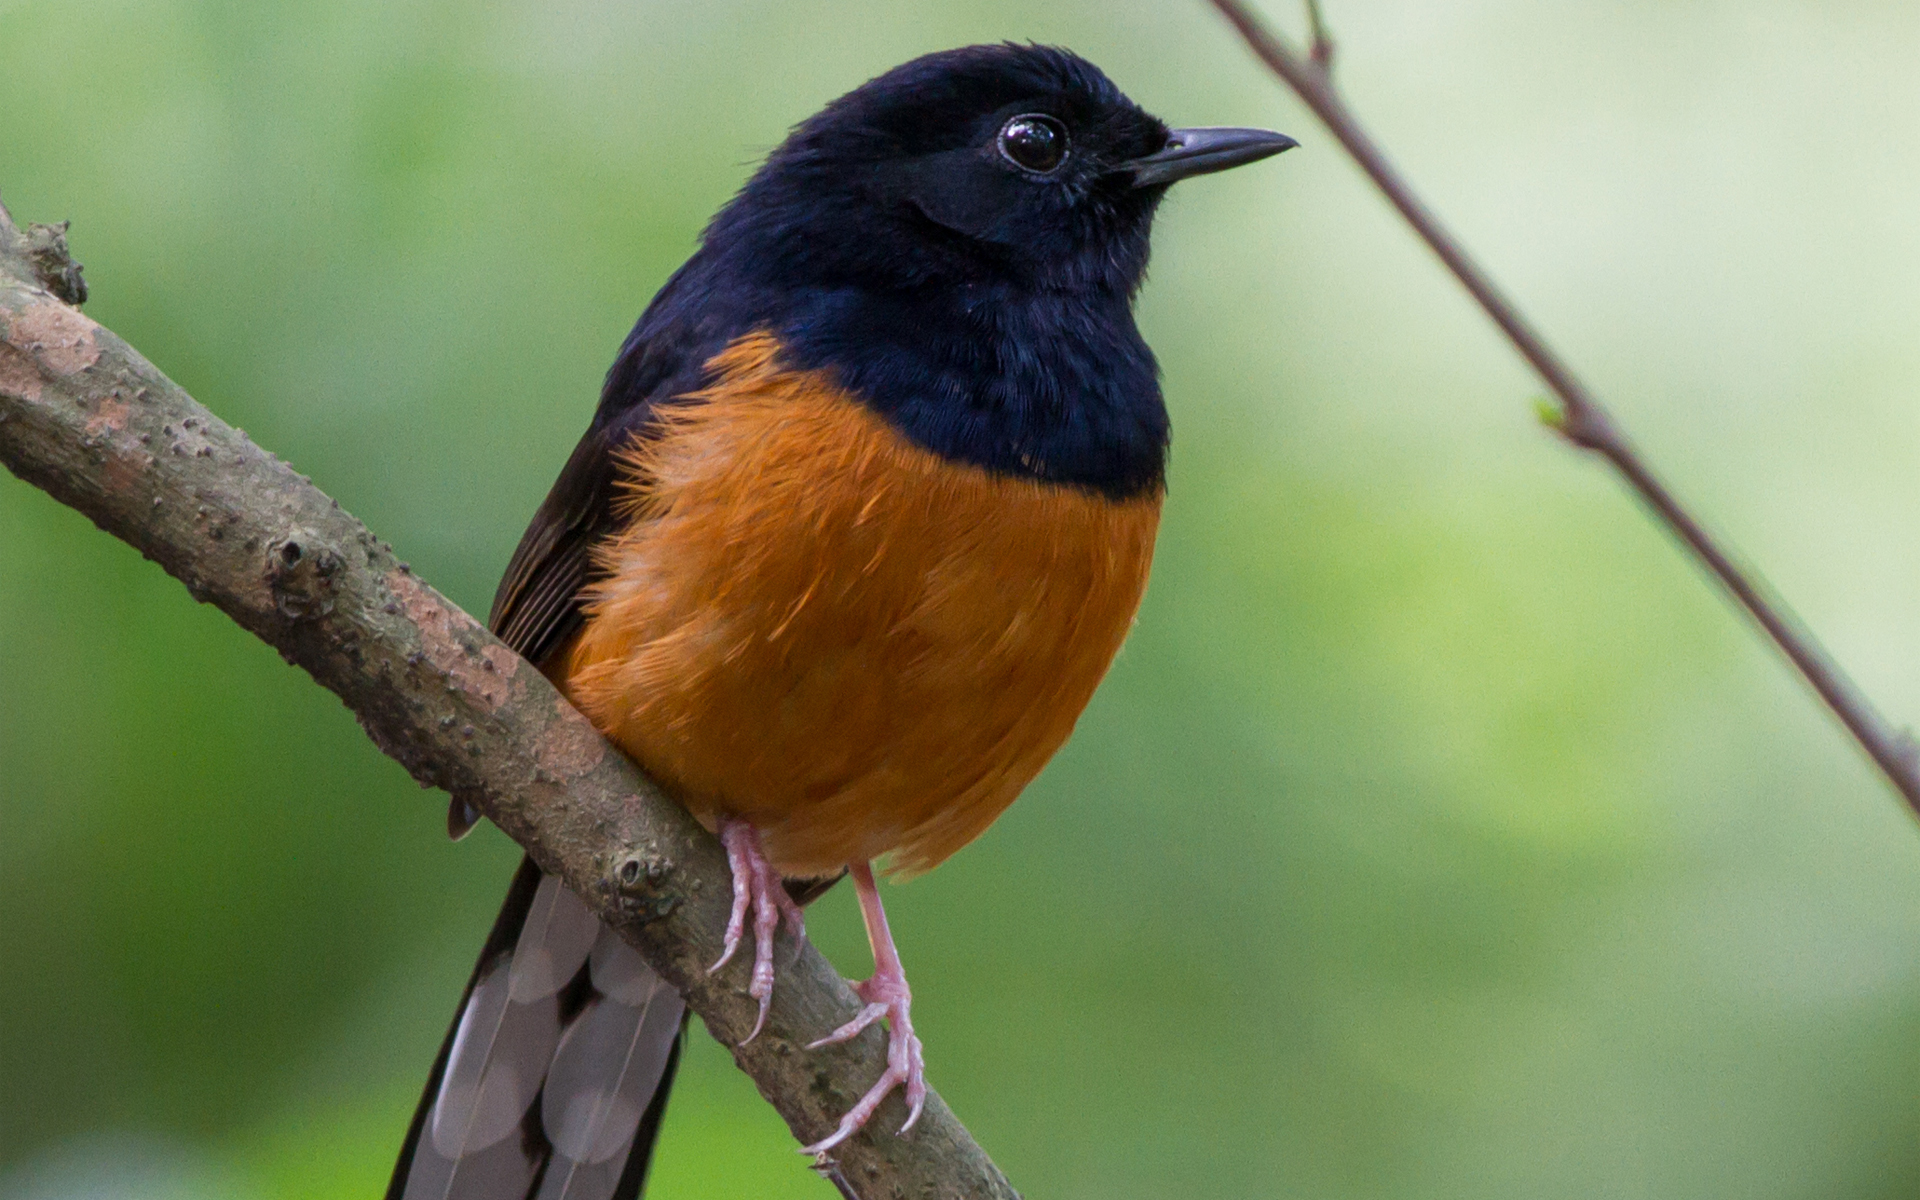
(959, 242)
(1023, 162)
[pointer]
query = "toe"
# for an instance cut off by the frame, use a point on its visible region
(851, 1030)
(760, 1022)
(916, 1085)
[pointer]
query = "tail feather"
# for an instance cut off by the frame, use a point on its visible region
(552, 1081)
(555, 940)
(503, 1171)
(605, 1073)
(500, 1055)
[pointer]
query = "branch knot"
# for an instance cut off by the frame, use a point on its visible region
(46, 250)
(300, 574)
(637, 878)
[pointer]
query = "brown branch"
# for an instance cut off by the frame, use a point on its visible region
(1581, 419)
(86, 418)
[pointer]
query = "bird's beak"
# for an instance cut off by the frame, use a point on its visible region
(1204, 150)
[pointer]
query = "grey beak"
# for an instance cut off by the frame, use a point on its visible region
(1204, 150)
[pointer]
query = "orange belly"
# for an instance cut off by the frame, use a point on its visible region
(860, 647)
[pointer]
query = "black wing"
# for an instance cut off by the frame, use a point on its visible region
(537, 607)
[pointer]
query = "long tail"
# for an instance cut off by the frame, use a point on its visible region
(554, 1077)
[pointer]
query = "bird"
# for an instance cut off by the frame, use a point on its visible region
(864, 513)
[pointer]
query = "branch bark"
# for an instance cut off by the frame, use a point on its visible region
(86, 418)
(1581, 419)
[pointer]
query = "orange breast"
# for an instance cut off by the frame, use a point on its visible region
(860, 647)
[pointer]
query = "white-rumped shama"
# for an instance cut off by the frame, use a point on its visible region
(864, 514)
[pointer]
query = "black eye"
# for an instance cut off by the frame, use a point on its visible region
(1035, 142)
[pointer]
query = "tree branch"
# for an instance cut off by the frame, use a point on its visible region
(1581, 419)
(85, 417)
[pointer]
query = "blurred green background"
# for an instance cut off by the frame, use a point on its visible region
(1440, 833)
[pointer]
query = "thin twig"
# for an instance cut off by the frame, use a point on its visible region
(1581, 419)
(831, 1172)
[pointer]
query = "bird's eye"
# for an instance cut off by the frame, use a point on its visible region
(1034, 142)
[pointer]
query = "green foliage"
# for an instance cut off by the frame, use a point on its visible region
(1439, 833)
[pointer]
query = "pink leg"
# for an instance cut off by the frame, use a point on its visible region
(887, 996)
(755, 884)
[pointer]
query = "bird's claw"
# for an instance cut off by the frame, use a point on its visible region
(886, 996)
(758, 886)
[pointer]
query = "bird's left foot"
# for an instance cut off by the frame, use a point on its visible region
(886, 996)
(758, 886)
